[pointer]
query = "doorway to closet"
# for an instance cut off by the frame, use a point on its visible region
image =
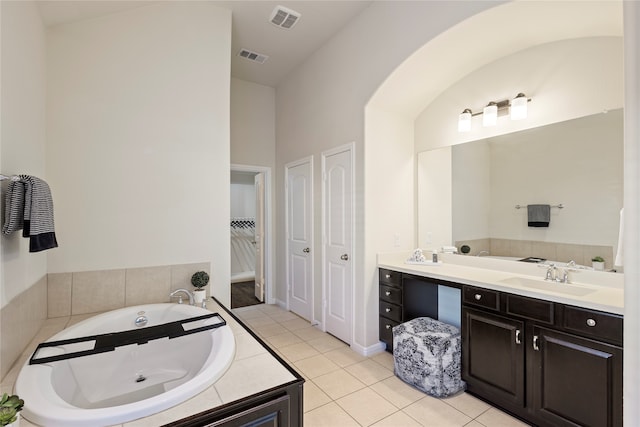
(250, 235)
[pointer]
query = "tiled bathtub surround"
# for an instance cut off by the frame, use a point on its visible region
(20, 320)
(562, 252)
(96, 291)
(253, 370)
(66, 294)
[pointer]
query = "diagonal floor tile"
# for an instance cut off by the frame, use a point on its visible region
(338, 383)
(366, 406)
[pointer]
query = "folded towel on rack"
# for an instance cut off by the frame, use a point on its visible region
(38, 214)
(14, 207)
(538, 215)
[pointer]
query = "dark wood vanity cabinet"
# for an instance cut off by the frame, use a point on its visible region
(404, 297)
(390, 304)
(549, 363)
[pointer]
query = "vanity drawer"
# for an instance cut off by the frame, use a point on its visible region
(391, 294)
(391, 311)
(390, 277)
(531, 308)
(386, 331)
(481, 297)
(593, 323)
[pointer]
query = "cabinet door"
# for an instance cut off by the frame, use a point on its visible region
(577, 381)
(493, 357)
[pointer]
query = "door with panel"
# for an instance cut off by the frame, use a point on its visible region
(299, 233)
(338, 242)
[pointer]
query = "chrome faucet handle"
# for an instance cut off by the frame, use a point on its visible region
(551, 272)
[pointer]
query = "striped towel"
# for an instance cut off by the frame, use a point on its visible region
(29, 207)
(14, 207)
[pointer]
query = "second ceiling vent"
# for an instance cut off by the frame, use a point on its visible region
(284, 17)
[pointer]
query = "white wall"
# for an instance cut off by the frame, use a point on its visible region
(471, 190)
(23, 131)
(243, 195)
(138, 139)
(434, 199)
(564, 79)
(577, 163)
(253, 124)
(321, 105)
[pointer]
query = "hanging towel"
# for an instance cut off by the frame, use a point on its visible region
(38, 214)
(14, 207)
(539, 215)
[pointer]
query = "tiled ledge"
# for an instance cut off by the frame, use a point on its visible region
(96, 291)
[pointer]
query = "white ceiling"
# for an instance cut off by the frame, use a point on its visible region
(286, 49)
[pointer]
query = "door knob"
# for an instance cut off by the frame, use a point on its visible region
(344, 257)
(306, 250)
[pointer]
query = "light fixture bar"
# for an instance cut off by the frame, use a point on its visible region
(517, 109)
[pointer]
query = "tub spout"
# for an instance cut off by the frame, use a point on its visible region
(179, 292)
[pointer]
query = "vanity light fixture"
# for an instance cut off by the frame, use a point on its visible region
(517, 110)
(464, 121)
(490, 115)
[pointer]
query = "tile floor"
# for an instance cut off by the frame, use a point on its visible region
(344, 389)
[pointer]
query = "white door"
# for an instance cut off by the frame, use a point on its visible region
(338, 242)
(259, 236)
(299, 227)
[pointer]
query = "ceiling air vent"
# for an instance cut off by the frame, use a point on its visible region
(253, 56)
(283, 17)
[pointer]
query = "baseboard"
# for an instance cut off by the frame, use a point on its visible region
(280, 303)
(370, 350)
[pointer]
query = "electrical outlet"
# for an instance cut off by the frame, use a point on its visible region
(429, 239)
(396, 240)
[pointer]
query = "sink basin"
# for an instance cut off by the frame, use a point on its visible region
(561, 288)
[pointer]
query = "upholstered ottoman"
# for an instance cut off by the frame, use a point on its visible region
(426, 355)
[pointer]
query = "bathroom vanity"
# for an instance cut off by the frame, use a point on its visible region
(549, 353)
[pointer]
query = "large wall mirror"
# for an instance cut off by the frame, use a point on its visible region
(577, 164)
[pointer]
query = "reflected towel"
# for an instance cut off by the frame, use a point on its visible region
(619, 254)
(538, 215)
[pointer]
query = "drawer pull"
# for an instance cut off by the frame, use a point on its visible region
(387, 293)
(518, 337)
(591, 322)
(478, 297)
(387, 326)
(387, 276)
(388, 310)
(535, 343)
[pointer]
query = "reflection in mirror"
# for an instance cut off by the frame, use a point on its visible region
(577, 163)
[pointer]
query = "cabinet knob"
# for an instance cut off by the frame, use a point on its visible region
(478, 297)
(388, 276)
(591, 322)
(387, 309)
(387, 326)
(387, 293)
(518, 337)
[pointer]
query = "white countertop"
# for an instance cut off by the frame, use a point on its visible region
(595, 290)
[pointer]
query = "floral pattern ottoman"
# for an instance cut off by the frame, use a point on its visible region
(426, 355)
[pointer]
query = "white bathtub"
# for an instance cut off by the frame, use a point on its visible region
(133, 381)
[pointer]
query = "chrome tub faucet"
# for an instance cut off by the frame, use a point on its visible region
(178, 293)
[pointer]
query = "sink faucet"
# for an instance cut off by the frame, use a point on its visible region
(179, 292)
(554, 275)
(552, 271)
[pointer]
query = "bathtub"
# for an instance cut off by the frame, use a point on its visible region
(130, 382)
